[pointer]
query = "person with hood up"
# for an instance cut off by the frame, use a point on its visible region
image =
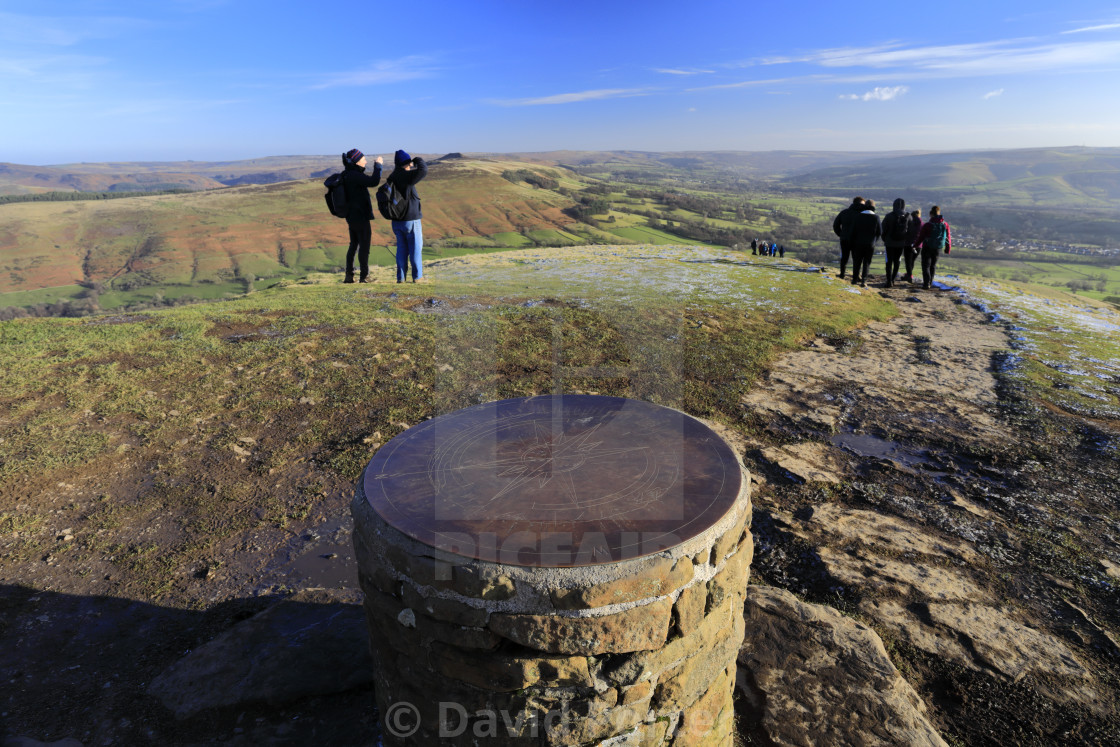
(912, 251)
(842, 226)
(896, 237)
(359, 210)
(865, 232)
(410, 236)
(933, 238)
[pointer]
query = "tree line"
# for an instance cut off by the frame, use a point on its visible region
(76, 196)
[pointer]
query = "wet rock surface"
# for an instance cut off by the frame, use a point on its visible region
(911, 486)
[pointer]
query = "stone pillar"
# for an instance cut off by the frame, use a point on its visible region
(605, 609)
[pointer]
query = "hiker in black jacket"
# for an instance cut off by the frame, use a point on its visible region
(359, 210)
(842, 227)
(864, 233)
(896, 237)
(912, 248)
(410, 236)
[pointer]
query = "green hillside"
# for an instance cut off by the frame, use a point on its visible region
(1046, 177)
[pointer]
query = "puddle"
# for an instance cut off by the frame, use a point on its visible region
(322, 557)
(873, 447)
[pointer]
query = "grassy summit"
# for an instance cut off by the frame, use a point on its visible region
(206, 423)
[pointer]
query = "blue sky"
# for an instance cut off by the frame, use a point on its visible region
(100, 80)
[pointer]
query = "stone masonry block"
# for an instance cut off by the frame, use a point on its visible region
(661, 577)
(496, 671)
(445, 610)
(635, 629)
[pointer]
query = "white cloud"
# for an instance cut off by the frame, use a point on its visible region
(382, 72)
(878, 94)
(993, 94)
(571, 98)
(1101, 27)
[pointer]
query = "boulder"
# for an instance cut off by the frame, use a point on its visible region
(817, 677)
(309, 644)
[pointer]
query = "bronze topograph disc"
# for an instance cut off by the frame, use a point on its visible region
(553, 481)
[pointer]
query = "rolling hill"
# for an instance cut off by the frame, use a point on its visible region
(16, 179)
(1048, 177)
(208, 243)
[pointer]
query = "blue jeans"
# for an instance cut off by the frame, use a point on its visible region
(410, 242)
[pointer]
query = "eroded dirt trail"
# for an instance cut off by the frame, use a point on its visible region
(899, 483)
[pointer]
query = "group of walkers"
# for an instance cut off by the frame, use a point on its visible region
(767, 248)
(904, 236)
(359, 212)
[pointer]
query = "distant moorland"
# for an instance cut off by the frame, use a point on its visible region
(1042, 215)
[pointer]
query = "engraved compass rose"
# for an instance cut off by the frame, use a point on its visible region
(547, 458)
(570, 465)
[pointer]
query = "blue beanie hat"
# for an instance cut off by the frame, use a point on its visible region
(400, 158)
(352, 156)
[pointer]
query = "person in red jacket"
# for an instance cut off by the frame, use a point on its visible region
(934, 238)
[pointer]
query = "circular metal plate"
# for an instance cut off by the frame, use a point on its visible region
(554, 481)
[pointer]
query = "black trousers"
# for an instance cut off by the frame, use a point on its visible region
(894, 259)
(929, 265)
(360, 236)
(861, 262)
(845, 254)
(909, 256)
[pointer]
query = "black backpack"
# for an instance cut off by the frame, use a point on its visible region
(336, 195)
(900, 228)
(392, 203)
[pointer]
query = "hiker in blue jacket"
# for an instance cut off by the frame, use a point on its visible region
(410, 236)
(359, 210)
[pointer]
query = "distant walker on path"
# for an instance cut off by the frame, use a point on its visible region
(410, 236)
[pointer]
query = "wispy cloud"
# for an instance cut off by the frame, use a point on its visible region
(17, 28)
(745, 84)
(993, 94)
(571, 98)
(1100, 27)
(878, 94)
(382, 72)
(962, 60)
(675, 71)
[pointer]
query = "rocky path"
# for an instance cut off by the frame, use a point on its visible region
(893, 486)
